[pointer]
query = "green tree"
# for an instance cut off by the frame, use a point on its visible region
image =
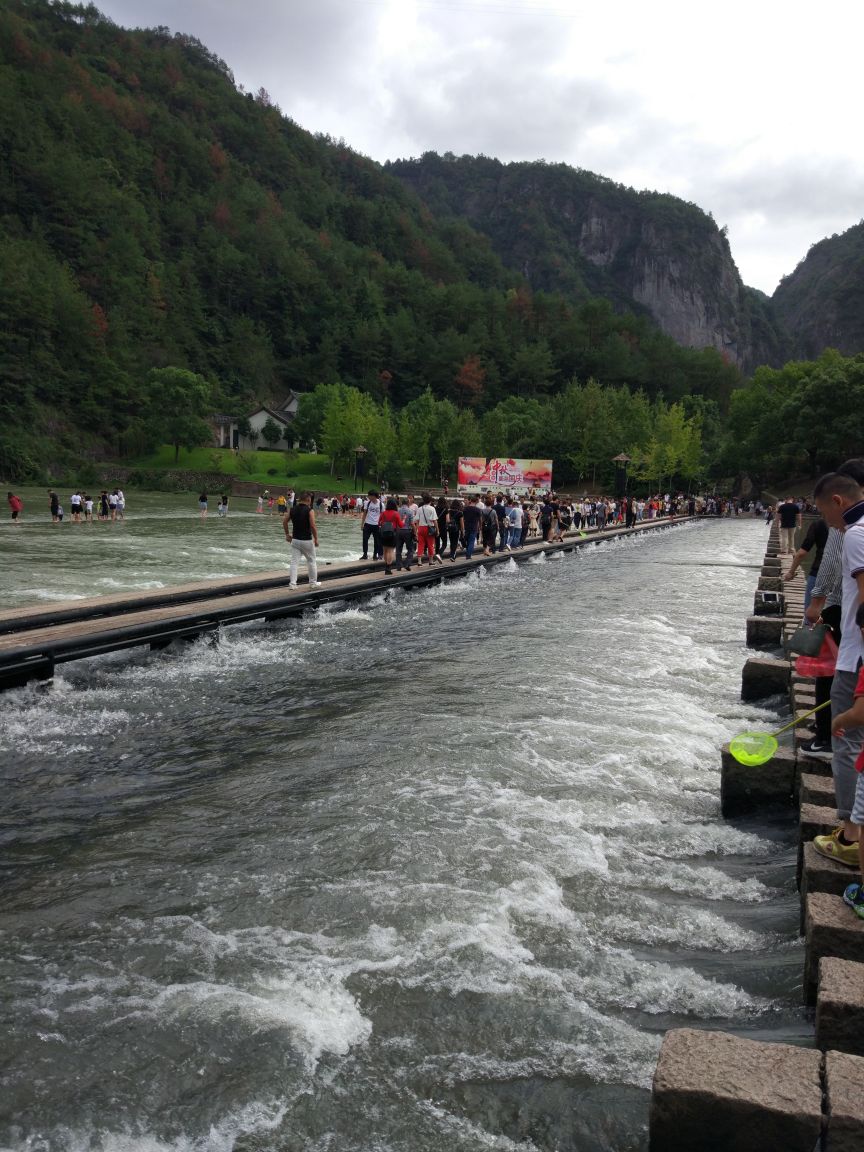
(271, 432)
(177, 403)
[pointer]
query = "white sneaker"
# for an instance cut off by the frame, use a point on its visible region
(292, 585)
(315, 584)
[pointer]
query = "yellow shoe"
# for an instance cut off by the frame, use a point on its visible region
(831, 847)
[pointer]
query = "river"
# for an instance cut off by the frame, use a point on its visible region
(428, 873)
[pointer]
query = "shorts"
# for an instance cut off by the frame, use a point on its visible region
(857, 815)
(14, 515)
(202, 504)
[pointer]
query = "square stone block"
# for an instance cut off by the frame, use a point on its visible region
(831, 929)
(844, 1083)
(840, 1006)
(719, 1093)
(743, 788)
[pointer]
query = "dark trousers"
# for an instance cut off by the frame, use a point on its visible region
(470, 541)
(453, 533)
(404, 542)
(371, 530)
(831, 617)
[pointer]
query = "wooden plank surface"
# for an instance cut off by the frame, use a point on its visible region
(214, 605)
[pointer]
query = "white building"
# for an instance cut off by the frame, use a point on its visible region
(226, 429)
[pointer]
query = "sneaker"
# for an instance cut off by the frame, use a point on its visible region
(854, 897)
(816, 750)
(292, 585)
(831, 847)
(315, 584)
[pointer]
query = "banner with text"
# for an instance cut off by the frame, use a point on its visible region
(477, 474)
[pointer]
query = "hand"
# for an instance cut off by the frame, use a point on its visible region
(813, 614)
(288, 537)
(838, 732)
(787, 576)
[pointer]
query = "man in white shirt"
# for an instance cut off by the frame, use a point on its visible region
(840, 500)
(371, 517)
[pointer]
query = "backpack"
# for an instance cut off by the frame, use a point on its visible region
(387, 532)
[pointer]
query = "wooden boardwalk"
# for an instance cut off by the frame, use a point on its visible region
(34, 639)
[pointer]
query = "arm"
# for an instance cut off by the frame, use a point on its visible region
(796, 560)
(286, 525)
(313, 526)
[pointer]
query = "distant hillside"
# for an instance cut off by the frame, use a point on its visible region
(822, 302)
(567, 230)
(152, 214)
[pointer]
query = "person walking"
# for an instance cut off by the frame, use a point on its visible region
(441, 510)
(788, 518)
(202, 505)
(490, 525)
(389, 527)
(405, 535)
(54, 504)
(427, 531)
(301, 532)
(454, 527)
(16, 506)
(472, 520)
(371, 517)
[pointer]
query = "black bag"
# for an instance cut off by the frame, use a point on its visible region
(387, 534)
(806, 641)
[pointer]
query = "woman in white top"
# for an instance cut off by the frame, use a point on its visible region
(427, 531)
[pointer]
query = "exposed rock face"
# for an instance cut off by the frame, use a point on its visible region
(821, 303)
(571, 231)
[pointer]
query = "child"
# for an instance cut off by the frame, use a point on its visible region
(854, 718)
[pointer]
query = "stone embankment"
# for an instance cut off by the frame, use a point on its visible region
(714, 1091)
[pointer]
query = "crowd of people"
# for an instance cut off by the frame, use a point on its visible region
(402, 530)
(83, 508)
(834, 597)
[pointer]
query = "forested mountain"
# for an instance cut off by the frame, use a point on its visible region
(822, 302)
(571, 231)
(153, 214)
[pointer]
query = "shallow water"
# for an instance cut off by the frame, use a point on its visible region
(432, 872)
(162, 541)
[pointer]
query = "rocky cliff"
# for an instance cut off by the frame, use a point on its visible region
(566, 230)
(821, 303)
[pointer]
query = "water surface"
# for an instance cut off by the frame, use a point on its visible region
(426, 873)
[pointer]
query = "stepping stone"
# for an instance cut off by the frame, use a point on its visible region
(743, 788)
(840, 1006)
(831, 929)
(819, 874)
(716, 1092)
(816, 820)
(763, 677)
(817, 790)
(844, 1102)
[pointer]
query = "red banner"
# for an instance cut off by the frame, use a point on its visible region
(479, 474)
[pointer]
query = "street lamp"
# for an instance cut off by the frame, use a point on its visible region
(359, 453)
(620, 461)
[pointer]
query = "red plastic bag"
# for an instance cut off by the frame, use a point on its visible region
(821, 665)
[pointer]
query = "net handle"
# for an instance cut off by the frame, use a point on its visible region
(803, 716)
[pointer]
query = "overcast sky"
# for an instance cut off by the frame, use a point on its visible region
(750, 109)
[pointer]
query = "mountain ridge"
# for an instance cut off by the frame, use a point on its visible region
(569, 230)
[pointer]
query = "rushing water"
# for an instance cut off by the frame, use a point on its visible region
(430, 874)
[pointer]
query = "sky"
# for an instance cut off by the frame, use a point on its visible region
(749, 109)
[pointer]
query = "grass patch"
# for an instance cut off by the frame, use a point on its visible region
(305, 469)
